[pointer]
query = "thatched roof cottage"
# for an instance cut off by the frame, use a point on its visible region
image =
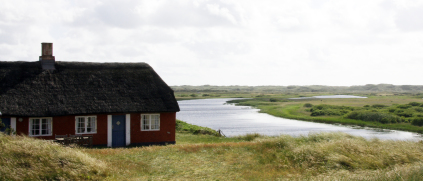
(118, 103)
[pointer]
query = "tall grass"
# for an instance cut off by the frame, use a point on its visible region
(24, 158)
(325, 156)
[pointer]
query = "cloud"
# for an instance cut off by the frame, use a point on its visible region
(120, 14)
(195, 14)
(227, 42)
(410, 19)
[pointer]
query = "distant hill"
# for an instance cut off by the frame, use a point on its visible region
(369, 88)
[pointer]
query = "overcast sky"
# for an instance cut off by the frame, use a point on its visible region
(260, 42)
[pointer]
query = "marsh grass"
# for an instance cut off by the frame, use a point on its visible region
(24, 158)
(324, 156)
(393, 105)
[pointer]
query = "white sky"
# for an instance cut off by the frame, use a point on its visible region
(260, 42)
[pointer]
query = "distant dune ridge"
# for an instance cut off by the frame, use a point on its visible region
(368, 88)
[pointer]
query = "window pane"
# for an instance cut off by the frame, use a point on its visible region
(155, 122)
(92, 126)
(35, 126)
(49, 126)
(81, 125)
(45, 124)
(146, 122)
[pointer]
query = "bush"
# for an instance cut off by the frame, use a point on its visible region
(414, 104)
(404, 113)
(392, 110)
(417, 121)
(273, 100)
(418, 109)
(205, 95)
(379, 106)
(404, 106)
(374, 117)
(366, 106)
(330, 110)
(308, 105)
(193, 95)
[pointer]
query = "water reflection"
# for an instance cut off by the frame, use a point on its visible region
(240, 120)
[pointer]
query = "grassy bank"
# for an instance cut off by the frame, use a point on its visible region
(386, 112)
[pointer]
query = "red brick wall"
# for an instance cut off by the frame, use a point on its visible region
(165, 134)
(66, 125)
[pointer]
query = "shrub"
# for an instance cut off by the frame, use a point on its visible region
(379, 106)
(417, 121)
(366, 106)
(404, 106)
(414, 104)
(392, 110)
(404, 113)
(205, 95)
(193, 95)
(374, 117)
(273, 100)
(418, 109)
(308, 105)
(330, 110)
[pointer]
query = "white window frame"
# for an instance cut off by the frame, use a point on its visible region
(149, 122)
(85, 124)
(50, 122)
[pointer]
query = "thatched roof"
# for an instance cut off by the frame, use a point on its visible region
(82, 88)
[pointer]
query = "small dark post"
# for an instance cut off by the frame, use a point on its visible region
(47, 59)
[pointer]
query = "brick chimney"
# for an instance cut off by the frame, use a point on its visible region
(47, 59)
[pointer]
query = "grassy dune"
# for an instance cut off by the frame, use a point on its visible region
(324, 156)
(327, 156)
(24, 158)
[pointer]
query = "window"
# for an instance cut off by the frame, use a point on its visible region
(40, 126)
(150, 122)
(85, 124)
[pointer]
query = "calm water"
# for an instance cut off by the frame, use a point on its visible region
(331, 97)
(240, 120)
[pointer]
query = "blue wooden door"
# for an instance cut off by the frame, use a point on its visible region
(118, 131)
(6, 122)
